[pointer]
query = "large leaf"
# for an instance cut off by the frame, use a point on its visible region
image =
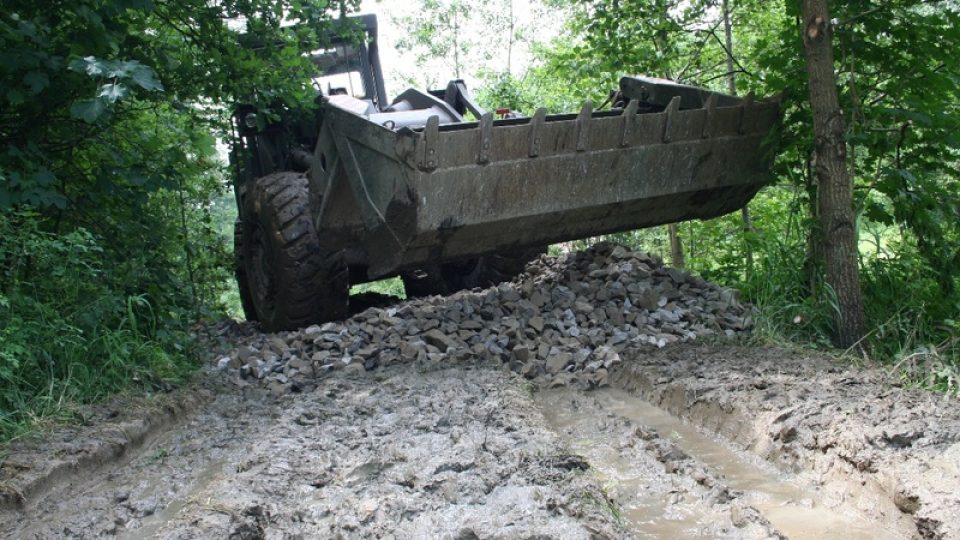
(37, 81)
(112, 92)
(146, 78)
(89, 65)
(88, 110)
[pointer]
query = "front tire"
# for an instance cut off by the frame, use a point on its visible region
(295, 278)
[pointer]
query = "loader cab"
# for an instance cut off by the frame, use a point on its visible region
(348, 65)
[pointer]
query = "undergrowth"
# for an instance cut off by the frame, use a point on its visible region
(390, 287)
(71, 332)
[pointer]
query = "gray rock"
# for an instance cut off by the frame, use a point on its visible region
(244, 353)
(558, 362)
(439, 340)
(536, 323)
(566, 320)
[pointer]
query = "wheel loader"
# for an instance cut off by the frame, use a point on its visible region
(431, 187)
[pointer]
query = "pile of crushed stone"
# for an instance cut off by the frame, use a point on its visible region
(564, 321)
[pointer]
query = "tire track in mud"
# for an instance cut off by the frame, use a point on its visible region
(672, 481)
(451, 453)
(659, 490)
(123, 494)
(852, 435)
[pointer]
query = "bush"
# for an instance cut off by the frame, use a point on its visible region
(70, 332)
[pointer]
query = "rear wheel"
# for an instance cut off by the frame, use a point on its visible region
(295, 277)
(478, 272)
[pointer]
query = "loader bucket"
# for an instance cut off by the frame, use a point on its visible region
(448, 191)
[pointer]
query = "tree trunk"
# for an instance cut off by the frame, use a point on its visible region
(835, 186)
(732, 89)
(676, 246)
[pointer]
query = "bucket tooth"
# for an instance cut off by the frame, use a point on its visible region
(629, 122)
(671, 113)
(711, 107)
(583, 125)
(431, 134)
(536, 131)
(486, 136)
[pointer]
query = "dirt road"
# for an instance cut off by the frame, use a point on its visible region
(477, 452)
(574, 403)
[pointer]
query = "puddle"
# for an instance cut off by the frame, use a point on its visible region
(790, 507)
(152, 524)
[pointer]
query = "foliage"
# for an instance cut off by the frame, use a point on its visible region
(436, 30)
(68, 330)
(109, 173)
(898, 87)
(480, 42)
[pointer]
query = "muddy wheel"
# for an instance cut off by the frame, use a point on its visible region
(294, 277)
(240, 273)
(479, 272)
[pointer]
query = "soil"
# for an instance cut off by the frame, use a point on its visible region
(770, 441)
(854, 434)
(578, 401)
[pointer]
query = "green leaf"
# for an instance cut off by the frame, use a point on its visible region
(120, 70)
(205, 144)
(15, 97)
(89, 65)
(37, 81)
(146, 78)
(44, 177)
(878, 214)
(137, 179)
(112, 92)
(88, 110)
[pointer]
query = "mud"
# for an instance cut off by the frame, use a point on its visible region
(786, 501)
(102, 438)
(660, 489)
(761, 443)
(854, 435)
(454, 453)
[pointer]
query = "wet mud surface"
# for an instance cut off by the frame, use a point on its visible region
(640, 449)
(577, 401)
(688, 442)
(453, 453)
(855, 435)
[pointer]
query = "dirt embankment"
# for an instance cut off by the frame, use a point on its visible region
(854, 434)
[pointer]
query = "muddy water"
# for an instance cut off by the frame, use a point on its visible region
(791, 507)
(152, 524)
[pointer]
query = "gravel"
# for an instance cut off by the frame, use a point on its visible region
(564, 321)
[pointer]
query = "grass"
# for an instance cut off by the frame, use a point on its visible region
(49, 372)
(390, 286)
(230, 299)
(605, 503)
